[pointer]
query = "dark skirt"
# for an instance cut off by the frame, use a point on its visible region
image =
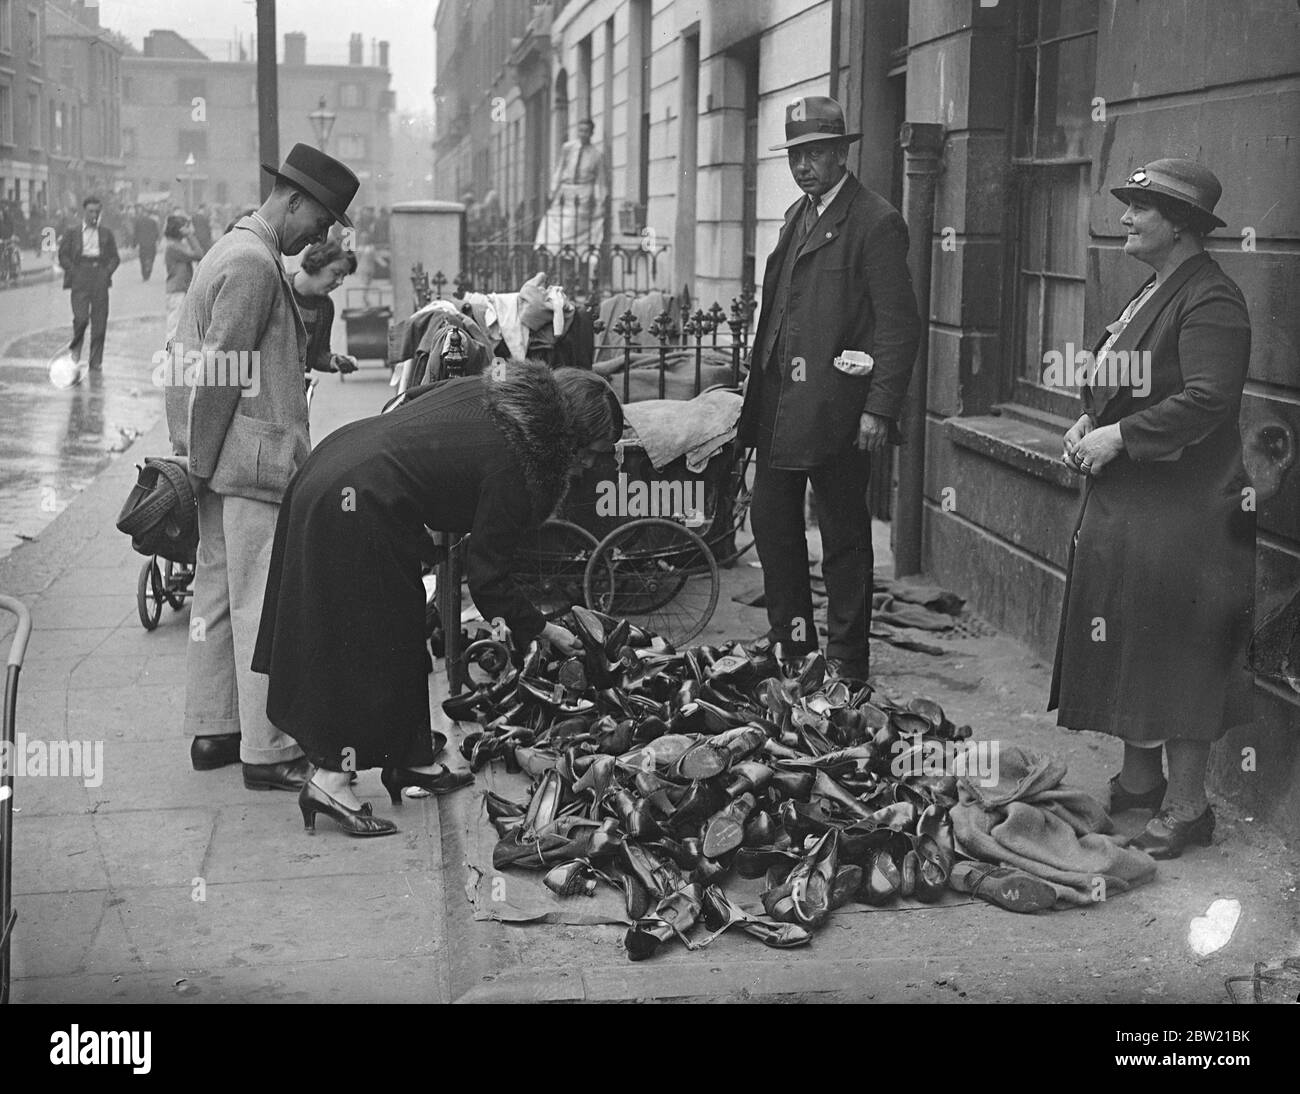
(1158, 606)
(342, 633)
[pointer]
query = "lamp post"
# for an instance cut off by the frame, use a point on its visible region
(189, 183)
(322, 122)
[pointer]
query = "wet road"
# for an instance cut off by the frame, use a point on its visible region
(53, 443)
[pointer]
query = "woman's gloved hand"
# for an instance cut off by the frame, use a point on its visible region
(562, 639)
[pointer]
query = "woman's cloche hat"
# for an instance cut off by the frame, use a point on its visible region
(322, 177)
(1184, 181)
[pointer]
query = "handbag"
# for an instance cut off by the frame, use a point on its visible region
(161, 514)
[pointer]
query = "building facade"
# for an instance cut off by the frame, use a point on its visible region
(24, 167)
(84, 106)
(178, 104)
(1040, 106)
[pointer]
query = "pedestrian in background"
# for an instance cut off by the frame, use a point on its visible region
(146, 241)
(88, 257)
(837, 282)
(203, 227)
(244, 438)
(180, 253)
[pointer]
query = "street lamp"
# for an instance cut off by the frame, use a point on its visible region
(189, 182)
(322, 122)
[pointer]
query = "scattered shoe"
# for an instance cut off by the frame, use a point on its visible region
(1009, 888)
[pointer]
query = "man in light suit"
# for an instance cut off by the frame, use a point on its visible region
(242, 423)
(88, 257)
(832, 358)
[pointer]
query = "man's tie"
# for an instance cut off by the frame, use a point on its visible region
(809, 221)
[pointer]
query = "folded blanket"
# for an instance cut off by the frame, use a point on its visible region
(1031, 821)
(669, 428)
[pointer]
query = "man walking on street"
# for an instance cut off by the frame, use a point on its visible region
(88, 257)
(242, 423)
(832, 358)
(146, 239)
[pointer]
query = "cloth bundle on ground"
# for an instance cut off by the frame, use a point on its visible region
(1031, 821)
(696, 429)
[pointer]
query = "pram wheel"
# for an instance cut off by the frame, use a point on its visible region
(150, 594)
(657, 574)
(551, 565)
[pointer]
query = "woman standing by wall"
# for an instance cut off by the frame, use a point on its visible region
(1160, 589)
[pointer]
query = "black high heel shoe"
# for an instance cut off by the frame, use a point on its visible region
(355, 822)
(443, 782)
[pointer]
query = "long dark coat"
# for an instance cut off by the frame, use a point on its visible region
(1160, 590)
(342, 631)
(850, 290)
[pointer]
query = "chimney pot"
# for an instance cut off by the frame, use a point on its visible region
(295, 48)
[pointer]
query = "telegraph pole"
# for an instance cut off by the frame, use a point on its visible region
(268, 97)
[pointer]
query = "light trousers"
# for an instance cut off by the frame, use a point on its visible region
(222, 692)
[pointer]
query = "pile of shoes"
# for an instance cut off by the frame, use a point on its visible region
(662, 772)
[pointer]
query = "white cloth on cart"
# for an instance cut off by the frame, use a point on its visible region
(697, 428)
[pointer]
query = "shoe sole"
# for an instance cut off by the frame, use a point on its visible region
(273, 786)
(208, 765)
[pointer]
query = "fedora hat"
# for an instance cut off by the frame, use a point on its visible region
(319, 176)
(1184, 181)
(813, 118)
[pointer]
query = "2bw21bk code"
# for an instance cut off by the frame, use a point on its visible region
(1213, 1035)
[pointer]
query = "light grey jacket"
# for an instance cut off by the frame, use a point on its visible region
(245, 441)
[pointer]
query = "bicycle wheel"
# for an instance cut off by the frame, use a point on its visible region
(551, 565)
(149, 595)
(657, 574)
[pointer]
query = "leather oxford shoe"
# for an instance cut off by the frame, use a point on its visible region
(209, 753)
(1122, 800)
(1165, 836)
(290, 775)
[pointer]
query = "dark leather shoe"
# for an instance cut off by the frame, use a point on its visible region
(1165, 836)
(290, 775)
(765, 645)
(1122, 800)
(852, 672)
(209, 753)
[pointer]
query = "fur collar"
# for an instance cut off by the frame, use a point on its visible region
(525, 403)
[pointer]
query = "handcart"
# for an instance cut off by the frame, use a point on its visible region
(660, 571)
(8, 917)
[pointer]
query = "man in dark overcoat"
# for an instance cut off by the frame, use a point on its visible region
(146, 239)
(832, 358)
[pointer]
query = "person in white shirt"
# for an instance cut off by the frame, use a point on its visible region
(88, 257)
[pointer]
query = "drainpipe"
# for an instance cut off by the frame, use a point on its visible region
(922, 144)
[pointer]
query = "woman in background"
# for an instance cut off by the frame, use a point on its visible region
(180, 254)
(323, 268)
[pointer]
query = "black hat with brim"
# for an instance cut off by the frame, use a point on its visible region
(320, 177)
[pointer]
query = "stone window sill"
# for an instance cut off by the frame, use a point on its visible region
(1027, 440)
